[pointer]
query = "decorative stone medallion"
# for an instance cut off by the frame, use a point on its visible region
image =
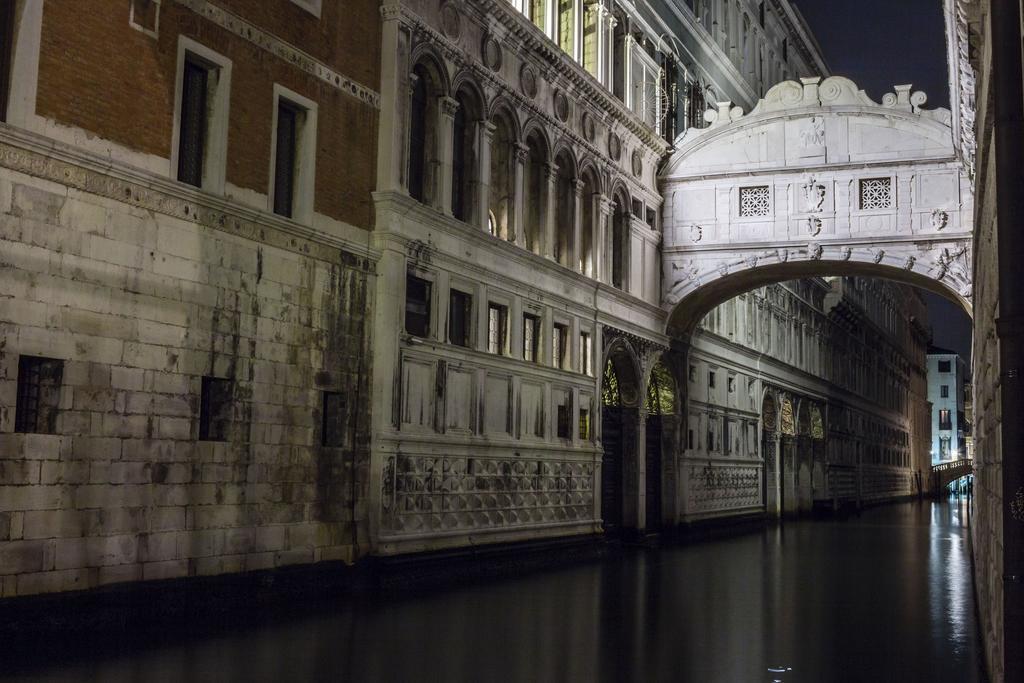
(614, 147)
(561, 103)
(940, 219)
(588, 126)
(696, 233)
(637, 163)
(528, 81)
(451, 21)
(490, 52)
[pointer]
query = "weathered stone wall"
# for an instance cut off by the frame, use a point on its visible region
(141, 293)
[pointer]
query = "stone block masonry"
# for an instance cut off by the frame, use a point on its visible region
(140, 304)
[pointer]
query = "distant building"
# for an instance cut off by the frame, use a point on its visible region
(947, 376)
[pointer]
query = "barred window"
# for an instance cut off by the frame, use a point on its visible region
(584, 424)
(531, 338)
(755, 201)
(215, 409)
(876, 193)
(192, 135)
(39, 381)
(332, 433)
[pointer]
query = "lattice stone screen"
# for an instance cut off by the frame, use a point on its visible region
(876, 193)
(755, 202)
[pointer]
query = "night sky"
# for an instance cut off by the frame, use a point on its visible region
(880, 43)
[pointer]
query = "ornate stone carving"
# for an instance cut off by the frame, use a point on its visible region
(940, 219)
(451, 21)
(814, 226)
(814, 251)
(561, 105)
(845, 253)
(813, 195)
(878, 256)
(614, 147)
(696, 233)
(637, 163)
(429, 493)
(588, 127)
(909, 263)
(813, 133)
(528, 81)
(490, 53)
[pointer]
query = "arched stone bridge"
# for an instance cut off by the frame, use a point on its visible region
(817, 180)
(946, 473)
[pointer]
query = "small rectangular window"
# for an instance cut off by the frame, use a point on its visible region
(333, 429)
(944, 391)
(285, 156)
(193, 123)
(755, 201)
(689, 439)
(584, 424)
(945, 420)
(585, 351)
(691, 373)
(711, 379)
(559, 346)
(564, 411)
(497, 328)
(39, 382)
(145, 16)
(731, 385)
(417, 306)
(711, 439)
(876, 193)
(215, 409)
(531, 338)
(460, 313)
(945, 366)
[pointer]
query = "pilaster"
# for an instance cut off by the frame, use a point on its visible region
(522, 155)
(485, 138)
(445, 131)
(550, 210)
(575, 250)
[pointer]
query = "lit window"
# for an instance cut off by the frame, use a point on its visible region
(417, 306)
(560, 348)
(497, 328)
(531, 338)
(945, 420)
(584, 424)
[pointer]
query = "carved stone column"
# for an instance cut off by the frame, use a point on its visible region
(607, 234)
(485, 138)
(550, 210)
(518, 226)
(396, 88)
(442, 169)
(609, 52)
(627, 70)
(602, 44)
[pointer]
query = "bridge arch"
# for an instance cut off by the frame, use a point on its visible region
(817, 180)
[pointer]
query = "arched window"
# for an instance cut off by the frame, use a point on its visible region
(565, 209)
(590, 40)
(619, 58)
(589, 223)
(418, 107)
(502, 188)
(465, 153)
(535, 191)
(661, 391)
(620, 241)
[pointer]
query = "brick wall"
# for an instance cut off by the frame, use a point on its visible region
(140, 303)
(99, 74)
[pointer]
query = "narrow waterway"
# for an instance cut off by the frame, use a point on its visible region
(885, 596)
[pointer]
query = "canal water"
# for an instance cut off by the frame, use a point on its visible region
(885, 596)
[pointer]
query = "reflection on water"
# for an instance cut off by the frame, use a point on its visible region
(886, 596)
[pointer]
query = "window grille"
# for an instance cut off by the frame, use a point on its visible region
(944, 391)
(559, 345)
(585, 351)
(284, 161)
(215, 409)
(584, 424)
(192, 126)
(460, 307)
(497, 328)
(39, 381)
(564, 411)
(755, 202)
(876, 193)
(531, 337)
(333, 428)
(417, 306)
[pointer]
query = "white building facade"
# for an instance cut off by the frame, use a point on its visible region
(947, 379)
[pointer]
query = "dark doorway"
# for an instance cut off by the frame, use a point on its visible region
(611, 467)
(652, 488)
